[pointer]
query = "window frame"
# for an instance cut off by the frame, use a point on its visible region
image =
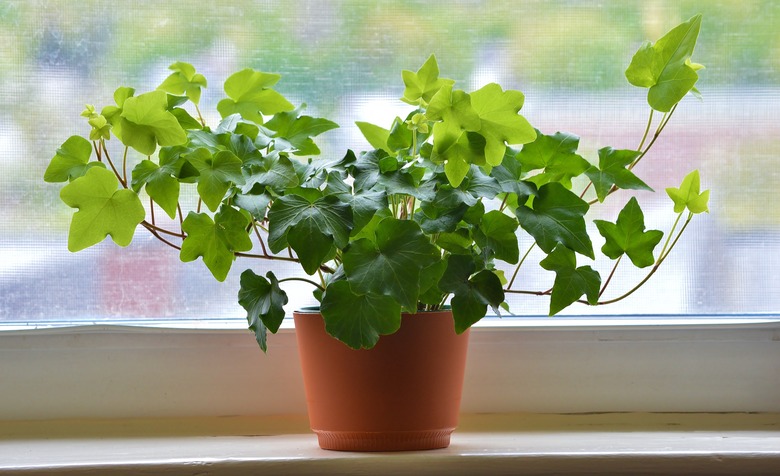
(211, 369)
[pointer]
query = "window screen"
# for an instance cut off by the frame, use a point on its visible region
(343, 58)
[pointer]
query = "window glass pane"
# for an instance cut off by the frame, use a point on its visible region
(343, 58)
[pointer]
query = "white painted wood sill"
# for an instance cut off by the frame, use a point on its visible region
(517, 444)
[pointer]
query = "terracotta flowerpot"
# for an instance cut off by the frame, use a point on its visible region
(404, 394)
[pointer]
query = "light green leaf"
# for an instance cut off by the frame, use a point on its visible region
(557, 218)
(688, 196)
(358, 319)
(297, 130)
(161, 184)
(216, 240)
(627, 235)
(391, 264)
(665, 67)
(612, 171)
(375, 135)
(250, 94)
(146, 122)
(454, 109)
(103, 210)
(184, 80)
(501, 123)
(555, 155)
(571, 282)
(71, 161)
(264, 302)
(423, 85)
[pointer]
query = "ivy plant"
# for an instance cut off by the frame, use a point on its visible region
(432, 215)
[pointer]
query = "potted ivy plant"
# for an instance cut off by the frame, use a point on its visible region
(408, 240)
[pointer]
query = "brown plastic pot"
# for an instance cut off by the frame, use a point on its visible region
(404, 394)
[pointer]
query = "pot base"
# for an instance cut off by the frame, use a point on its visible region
(384, 441)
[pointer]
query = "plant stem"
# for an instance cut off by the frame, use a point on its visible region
(655, 267)
(154, 231)
(303, 280)
(259, 238)
(200, 116)
(153, 227)
(647, 129)
(111, 164)
(514, 275)
(124, 166)
(611, 274)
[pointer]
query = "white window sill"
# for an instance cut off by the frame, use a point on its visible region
(485, 444)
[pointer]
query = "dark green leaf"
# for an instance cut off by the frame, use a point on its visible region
(218, 173)
(263, 301)
(472, 292)
(358, 319)
(324, 221)
(274, 171)
(628, 236)
(557, 218)
(612, 171)
(497, 234)
(571, 282)
(391, 264)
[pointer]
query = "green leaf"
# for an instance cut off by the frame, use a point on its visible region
(184, 80)
(216, 240)
(423, 85)
(103, 210)
(555, 156)
(391, 264)
(472, 292)
(264, 302)
(510, 178)
(161, 184)
(688, 196)
(557, 218)
(274, 171)
(146, 122)
(665, 66)
(497, 234)
(628, 236)
(71, 161)
(612, 171)
(459, 155)
(375, 135)
(454, 109)
(218, 173)
(358, 319)
(571, 282)
(310, 226)
(250, 94)
(294, 132)
(501, 122)
(255, 203)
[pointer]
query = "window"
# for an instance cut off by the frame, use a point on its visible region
(343, 59)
